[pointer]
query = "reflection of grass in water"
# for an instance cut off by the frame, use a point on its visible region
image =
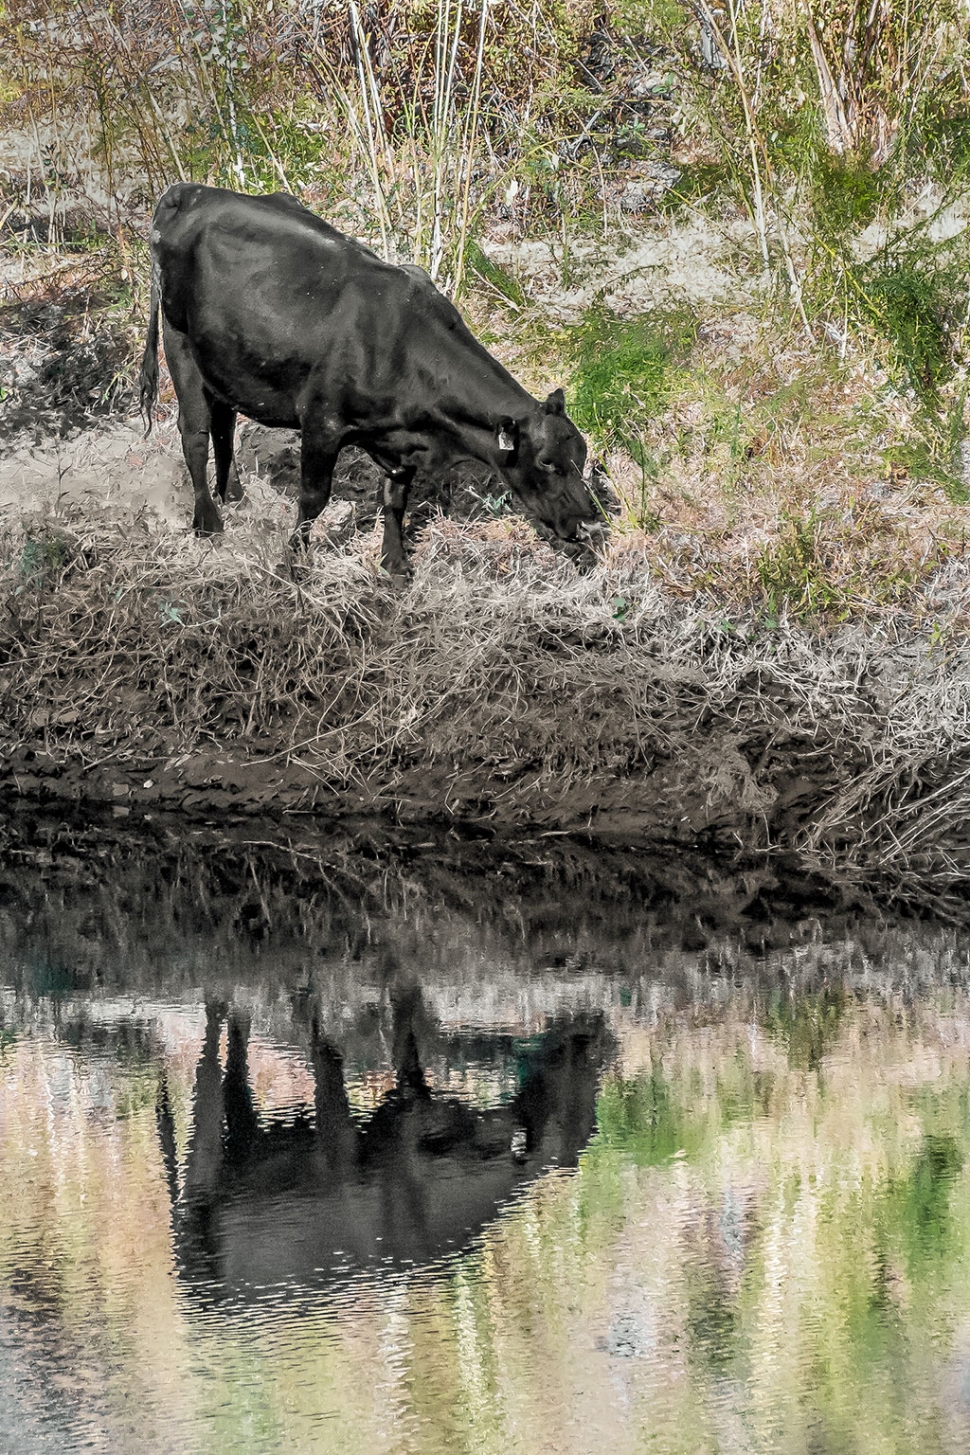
(649, 1123)
(640, 1118)
(766, 1235)
(801, 1164)
(713, 1313)
(807, 1024)
(919, 1204)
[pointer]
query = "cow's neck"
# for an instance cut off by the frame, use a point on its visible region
(473, 393)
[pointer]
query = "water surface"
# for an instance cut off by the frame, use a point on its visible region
(360, 1144)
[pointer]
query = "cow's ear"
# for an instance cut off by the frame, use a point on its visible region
(556, 403)
(507, 435)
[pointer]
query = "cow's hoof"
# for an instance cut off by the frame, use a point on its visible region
(234, 490)
(399, 573)
(212, 526)
(300, 542)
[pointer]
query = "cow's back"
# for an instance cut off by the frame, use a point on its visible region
(278, 306)
(188, 210)
(274, 304)
(224, 253)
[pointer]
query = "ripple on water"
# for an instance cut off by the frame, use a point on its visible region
(423, 1172)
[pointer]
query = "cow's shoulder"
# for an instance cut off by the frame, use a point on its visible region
(292, 214)
(426, 298)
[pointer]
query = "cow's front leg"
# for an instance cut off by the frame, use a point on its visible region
(318, 455)
(397, 486)
(336, 1133)
(241, 1120)
(205, 1156)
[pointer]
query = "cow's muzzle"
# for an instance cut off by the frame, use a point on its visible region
(592, 532)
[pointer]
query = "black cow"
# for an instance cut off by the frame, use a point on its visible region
(269, 311)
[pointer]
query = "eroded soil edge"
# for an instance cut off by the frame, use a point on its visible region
(504, 690)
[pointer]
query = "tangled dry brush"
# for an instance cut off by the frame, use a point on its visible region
(502, 686)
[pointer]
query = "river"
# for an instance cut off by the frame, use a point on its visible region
(374, 1141)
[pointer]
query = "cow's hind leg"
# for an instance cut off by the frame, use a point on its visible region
(195, 422)
(319, 449)
(394, 499)
(223, 426)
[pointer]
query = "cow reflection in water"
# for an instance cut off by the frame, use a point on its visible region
(265, 1202)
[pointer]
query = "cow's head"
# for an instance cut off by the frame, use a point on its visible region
(543, 458)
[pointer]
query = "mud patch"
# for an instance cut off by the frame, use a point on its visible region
(115, 473)
(689, 264)
(63, 366)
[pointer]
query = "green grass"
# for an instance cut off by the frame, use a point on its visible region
(41, 557)
(915, 298)
(793, 569)
(845, 195)
(497, 280)
(624, 371)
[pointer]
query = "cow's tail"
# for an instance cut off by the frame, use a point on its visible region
(148, 378)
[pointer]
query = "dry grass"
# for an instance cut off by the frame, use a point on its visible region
(506, 682)
(776, 482)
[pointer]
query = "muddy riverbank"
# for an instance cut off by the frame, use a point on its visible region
(503, 690)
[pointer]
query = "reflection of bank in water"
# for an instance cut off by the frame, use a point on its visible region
(326, 1191)
(767, 1231)
(173, 905)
